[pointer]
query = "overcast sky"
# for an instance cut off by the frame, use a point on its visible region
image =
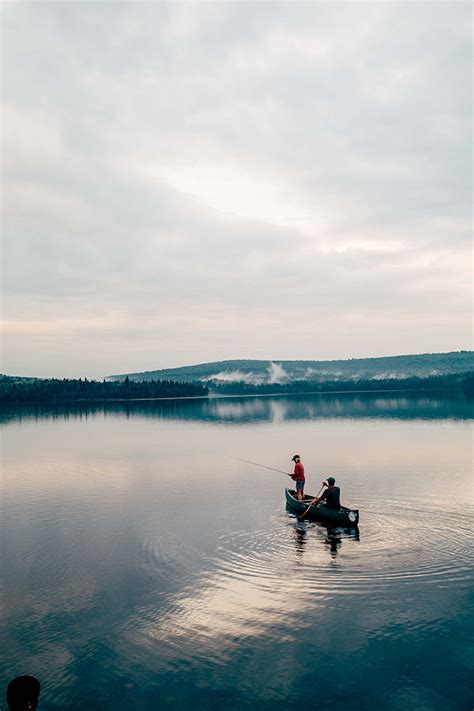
(188, 182)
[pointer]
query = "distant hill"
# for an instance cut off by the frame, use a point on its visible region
(266, 372)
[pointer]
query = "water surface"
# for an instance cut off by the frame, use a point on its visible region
(146, 568)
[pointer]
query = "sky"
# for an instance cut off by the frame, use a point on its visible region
(191, 182)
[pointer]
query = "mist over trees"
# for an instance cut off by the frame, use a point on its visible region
(462, 383)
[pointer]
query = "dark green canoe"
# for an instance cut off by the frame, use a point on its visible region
(343, 517)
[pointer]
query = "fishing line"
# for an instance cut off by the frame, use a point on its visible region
(247, 461)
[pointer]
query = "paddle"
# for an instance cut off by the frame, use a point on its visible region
(261, 465)
(312, 502)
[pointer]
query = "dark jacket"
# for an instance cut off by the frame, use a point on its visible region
(332, 497)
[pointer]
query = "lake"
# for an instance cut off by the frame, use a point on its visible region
(144, 567)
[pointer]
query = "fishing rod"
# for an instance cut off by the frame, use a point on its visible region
(264, 466)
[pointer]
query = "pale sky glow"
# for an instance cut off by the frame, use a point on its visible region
(186, 182)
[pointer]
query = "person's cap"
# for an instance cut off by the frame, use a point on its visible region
(297, 456)
(331, 480)
(23, 690)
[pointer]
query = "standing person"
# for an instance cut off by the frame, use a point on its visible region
(298, 476)
(332, 495)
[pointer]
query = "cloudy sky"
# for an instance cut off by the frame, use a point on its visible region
(188, 182)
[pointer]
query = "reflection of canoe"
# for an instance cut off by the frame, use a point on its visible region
(344, 517)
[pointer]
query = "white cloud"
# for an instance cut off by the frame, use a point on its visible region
(244, 193)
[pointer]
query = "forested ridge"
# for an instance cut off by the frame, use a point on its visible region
(256, 372)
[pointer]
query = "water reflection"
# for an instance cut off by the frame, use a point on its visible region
(242, 410)
(334, 542)
(300, 538)
(335, 536)
(111, 575)
(332, 538)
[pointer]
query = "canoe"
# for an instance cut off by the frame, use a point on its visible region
(343, 517)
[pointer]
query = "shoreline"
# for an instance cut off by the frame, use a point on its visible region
(218, 396)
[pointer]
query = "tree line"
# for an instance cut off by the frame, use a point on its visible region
(29, 390)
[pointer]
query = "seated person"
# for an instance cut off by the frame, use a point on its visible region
(332, 495)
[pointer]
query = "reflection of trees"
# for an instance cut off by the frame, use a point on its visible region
(242, 410)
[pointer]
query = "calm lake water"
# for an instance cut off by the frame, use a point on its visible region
(144, 568)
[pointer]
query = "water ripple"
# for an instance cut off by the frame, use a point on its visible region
(400, 543)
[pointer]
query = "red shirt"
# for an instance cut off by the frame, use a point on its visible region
(298, 474)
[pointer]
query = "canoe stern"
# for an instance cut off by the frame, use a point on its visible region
(344, 517)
